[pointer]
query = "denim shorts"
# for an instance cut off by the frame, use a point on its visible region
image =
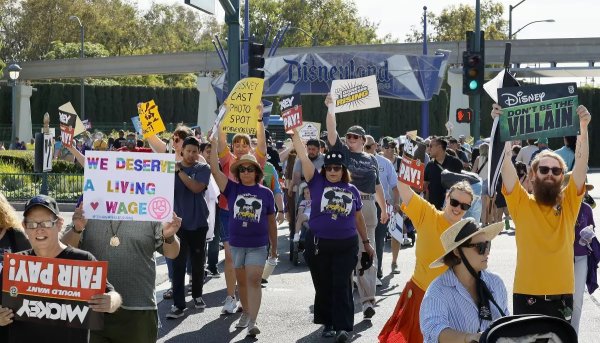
(248, 256)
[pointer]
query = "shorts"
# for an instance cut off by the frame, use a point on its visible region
(248, 256)
(224, 229)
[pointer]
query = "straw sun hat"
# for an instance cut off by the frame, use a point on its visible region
(460, 232)
(248, 158)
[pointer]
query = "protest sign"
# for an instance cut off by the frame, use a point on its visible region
(291, 112)
(242, 106)
(218, 120)
(412, 164)
(355, 94)
(150, 119)
(310, 130)
(53, 291)
(540, 111)
(87, 124)
(137, 124)
(128, 186)
(70, 124)
(48, 152)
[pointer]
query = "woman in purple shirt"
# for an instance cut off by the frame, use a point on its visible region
(251, 227)
(331, 248)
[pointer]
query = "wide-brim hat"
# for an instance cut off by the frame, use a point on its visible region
(460, 232)
(248, 158)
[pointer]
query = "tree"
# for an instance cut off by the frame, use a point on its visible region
(454, 21)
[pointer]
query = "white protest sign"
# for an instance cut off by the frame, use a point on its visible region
(48, 147)
(355, 94)
(215, 127)
(491, 87)
(310, 130)
(128, 186)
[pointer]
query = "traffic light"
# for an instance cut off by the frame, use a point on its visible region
(256, 61)
(464, 115)
(473, 72)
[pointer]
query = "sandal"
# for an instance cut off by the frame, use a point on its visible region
(168, 294)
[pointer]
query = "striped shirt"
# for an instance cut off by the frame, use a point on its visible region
(448, 304)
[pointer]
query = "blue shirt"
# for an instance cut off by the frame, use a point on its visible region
(387, 176)
(568, 156)
(448, 304)
(190, 206)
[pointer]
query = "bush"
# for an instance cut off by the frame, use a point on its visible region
(23, 160)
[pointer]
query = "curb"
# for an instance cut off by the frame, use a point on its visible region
(64, 207)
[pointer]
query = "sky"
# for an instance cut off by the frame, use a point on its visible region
(573, 18)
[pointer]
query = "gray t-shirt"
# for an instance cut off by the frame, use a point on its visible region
(131, 265)
(317, 162)
(364, 167)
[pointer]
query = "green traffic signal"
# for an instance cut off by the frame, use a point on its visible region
(473, 85)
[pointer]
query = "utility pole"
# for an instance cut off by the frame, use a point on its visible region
(475, 124)
(232, 19)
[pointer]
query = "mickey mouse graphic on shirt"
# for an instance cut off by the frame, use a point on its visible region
(336, 201)
(247, 209)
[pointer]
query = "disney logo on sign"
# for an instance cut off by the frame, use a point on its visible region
(571, 89)
(287, 103)
(519, 98)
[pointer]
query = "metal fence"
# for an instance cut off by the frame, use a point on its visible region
(23, 186)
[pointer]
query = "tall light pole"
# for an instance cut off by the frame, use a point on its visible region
(13, 73)
(82, 56)
(510, 9)
(533, 22)
(425, 104)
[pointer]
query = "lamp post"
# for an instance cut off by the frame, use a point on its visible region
(82, 30)
(533, 22)
(510, 9)
(13, 73)
(425, 104)
(314, 39)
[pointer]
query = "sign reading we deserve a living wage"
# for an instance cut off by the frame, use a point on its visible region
(412, 164)
(540, 111)
(52, 290)
(291, 111)
(128, 186)
(150, 119)
(355, 94)
(242, 106)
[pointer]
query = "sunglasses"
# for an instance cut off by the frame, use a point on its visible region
(249, 169)
(44, 225)
(369, 146)
(353, 136)
(333, 168)
(456, 203)
(556, 171)
(481, 247)
(176, 140)
(390, 146)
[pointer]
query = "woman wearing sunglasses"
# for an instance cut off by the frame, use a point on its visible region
(430, 223)
(465, 299)
(331, 248)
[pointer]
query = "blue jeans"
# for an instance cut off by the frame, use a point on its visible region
(213, 246)
(170, 266)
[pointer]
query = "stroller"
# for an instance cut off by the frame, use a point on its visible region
(529, 328)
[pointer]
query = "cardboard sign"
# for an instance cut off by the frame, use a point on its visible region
(242, 103)
(137, 124)
(70, 124)
(218, 120)
(128, 186)
(53, 291)
(355, 94)
(412, 164)
(310, 130)
(48, 147)
(538, 111)
(152, 123)
(291, 112)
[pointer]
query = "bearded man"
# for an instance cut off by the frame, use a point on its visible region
(544, 222)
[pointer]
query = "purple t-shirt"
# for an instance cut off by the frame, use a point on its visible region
(249, 207)
(333, 208)
(584, 218)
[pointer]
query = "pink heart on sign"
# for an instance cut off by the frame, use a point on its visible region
(94, 205)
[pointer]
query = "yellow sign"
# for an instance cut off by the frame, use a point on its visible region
(242, 106)
(152, 123)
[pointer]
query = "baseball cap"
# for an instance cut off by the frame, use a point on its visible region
(387, 141)
(357, 130)
(43, 201)
(542, 141)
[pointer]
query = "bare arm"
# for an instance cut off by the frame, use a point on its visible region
(70, 236)
(273, 235)
(285, 154)
(380, 198)
(222, 142)
(78, 156)
(406, 192)
(582, 149)
(509, 173)
(295, 181)
(157, 144)
(220, 177)
(169, 230)
(331, 122)
(452, 336)
(307, 166)
(261, 140)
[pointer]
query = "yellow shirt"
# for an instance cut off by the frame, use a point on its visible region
(544, 240)
(429, 223)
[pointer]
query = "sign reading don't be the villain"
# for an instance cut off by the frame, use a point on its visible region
(128, 186)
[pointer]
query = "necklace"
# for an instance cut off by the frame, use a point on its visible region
(114, 240)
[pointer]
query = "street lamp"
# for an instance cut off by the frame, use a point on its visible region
(14, 70)
(533, 22)
(314, 39)
(510, 9)
(82, 111)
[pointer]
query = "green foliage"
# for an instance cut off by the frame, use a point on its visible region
(60, 50)
(22, 162)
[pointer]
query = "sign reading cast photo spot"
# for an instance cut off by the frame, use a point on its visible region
(291, 112)
(53, 291)
(242, 102)
(355, 94)
(128, 186)
(412, 164)
(538, 111)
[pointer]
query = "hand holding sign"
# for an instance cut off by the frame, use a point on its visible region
(355, 94)
(584, 115)
(244, 106)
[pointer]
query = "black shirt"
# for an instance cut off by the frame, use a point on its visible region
(20, 331)
(433, 175)
(120, 142)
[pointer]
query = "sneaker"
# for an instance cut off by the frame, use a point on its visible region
(263, 281)
(175, 312)
(342, 336)
(168, 294)
(243, 322)
(378, 282)
(199, 303)
(230, 305)
(213, 272)
(328, 331)
(297, 237)
(405, 242)
(239, 306)
(395, 269)
(368, 312)
(252, 330)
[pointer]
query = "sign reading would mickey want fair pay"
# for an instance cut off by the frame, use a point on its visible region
(128, 186)
(291, 111)
(70, 124)
(541, 111)
(310, 130)
(355, 94)
(242, 106)
(53, 291)
(412, 164)
(150, 119)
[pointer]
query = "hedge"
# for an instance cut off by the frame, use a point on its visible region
(23, 160)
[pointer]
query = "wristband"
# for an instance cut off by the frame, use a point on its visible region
(366, 241)
(177, 171)
(168, 240)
